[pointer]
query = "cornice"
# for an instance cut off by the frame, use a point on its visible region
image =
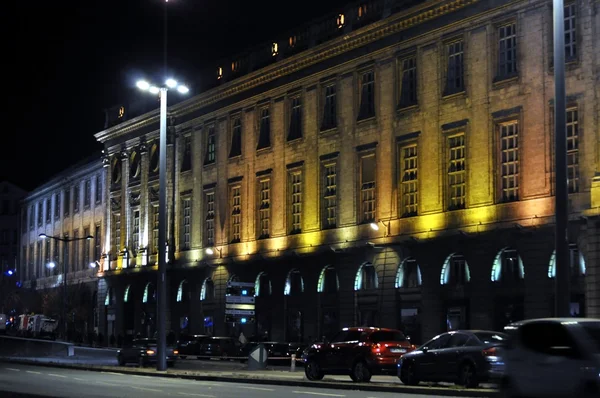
(130, 125)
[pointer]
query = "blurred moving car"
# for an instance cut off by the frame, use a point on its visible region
(189, 345)
(220, 347)
(553, 357)
(466, 357)
(144, 352)
(359, 352)
(276, 352)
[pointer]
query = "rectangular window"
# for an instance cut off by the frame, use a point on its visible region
(367, 96)
(295, 200)
(76, 198)
(456, 172)
(86, 248)
(117, 232)
(570, 14)
(507, 50)
(31, 262)
(210, 218)
(367, 188)
(87, 199)
(76, 258)
(155, 216)
(31, 217)
(264, 208)
(98, 188)
(573, 149)
(236, 214)
(455, 74)
(330, 108)
(186, 224)
(330, 195)
(97, 245)
(509, 161)
(67, 202)
(57, 206)
(210, 146)
(40, 214)
(295, 130)
(264, 138)
(410, 185)
(40, 259)
(135, 228)
(236, 138)
(186, 161)
(408, 88)
(48, 210)
(48, 252)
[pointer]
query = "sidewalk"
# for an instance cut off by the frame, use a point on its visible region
(272, 377)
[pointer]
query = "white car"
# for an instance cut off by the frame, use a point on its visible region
(553, 357)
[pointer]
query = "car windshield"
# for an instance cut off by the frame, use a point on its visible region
(491, 338)
(593, 330)
(391, 335)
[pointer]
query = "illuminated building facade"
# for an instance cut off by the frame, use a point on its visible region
(431, 122)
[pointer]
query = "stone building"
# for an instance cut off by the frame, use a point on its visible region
(389, 165)
(71, 206)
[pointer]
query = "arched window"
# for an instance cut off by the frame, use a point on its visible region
(149, 293)
(455, 271)
(126, 295)
(182, 291)
(208, 290)
(262, 286)
(409, 274)
(328, 280)
(294, 284)
(576, 260)
(366, 278)
(508, 266)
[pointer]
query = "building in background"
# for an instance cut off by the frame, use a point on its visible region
(72, 204)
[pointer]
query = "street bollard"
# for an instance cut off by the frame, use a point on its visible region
(293, 366)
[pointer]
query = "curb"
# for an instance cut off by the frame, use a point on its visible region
(244, 378)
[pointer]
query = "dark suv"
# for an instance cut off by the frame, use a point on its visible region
(359, 352)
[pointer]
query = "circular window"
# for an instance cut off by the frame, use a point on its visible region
(154, 158)
(134, 165)
(116, 171)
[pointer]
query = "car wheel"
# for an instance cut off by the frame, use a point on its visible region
(408, 374)
(467, 376)
(313, 371)
(360, 373)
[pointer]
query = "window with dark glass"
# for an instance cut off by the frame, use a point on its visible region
(329, 195)
(210, 146)
(98, 189)
(186, 223)
(264, 138)
(87, 198)
(97, 245)
(295, 130)
(186, 162)
(509, 160)
(457, 174)
(329, 108)
(367, 96)
(210, 218)
(76, 198)
(236, 138)
(67, 202)
(86, 248)
(455, 82)
(507, 50)
(570, 14)
(367, 188)
(408, 88)
(40, 214)
(573, 149)
(135, 235)
(48, 210)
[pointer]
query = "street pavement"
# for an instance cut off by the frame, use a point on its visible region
(57, 382)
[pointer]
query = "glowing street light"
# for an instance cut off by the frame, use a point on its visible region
(374, 226)
(210, 251)
(143, 85)
(171, 83)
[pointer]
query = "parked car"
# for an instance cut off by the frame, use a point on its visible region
(466, 357)
(189, 345)
(220, 347)
(144, 352)
(359, 352)
(553, 357)
(276, 352)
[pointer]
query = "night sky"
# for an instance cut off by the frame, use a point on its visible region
(69, 60)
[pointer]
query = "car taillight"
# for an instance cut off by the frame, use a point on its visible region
(150, 352)
(490, 352)
(378, 348)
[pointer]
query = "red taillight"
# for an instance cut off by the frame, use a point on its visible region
(378, 348)
(489, 352)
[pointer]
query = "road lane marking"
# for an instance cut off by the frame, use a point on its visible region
(191, 394)
(34, 372)
(78, 379)
(142, 377)
(318, 393)
(105, 383)
(55, 375)
(113, 373)
(255, 388)
(146, 389)
(13, 369)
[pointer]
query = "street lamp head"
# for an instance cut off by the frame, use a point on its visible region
(374, 226)
(171, 83)
(43, 236)
(51, 265)
(93, 264)
(210, 251)
(154, 90)
(183, 89)
(143, 85)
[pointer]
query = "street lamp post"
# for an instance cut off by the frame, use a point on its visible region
(161, 363)
(66, 240)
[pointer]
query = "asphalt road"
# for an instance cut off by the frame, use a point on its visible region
(56, 382)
